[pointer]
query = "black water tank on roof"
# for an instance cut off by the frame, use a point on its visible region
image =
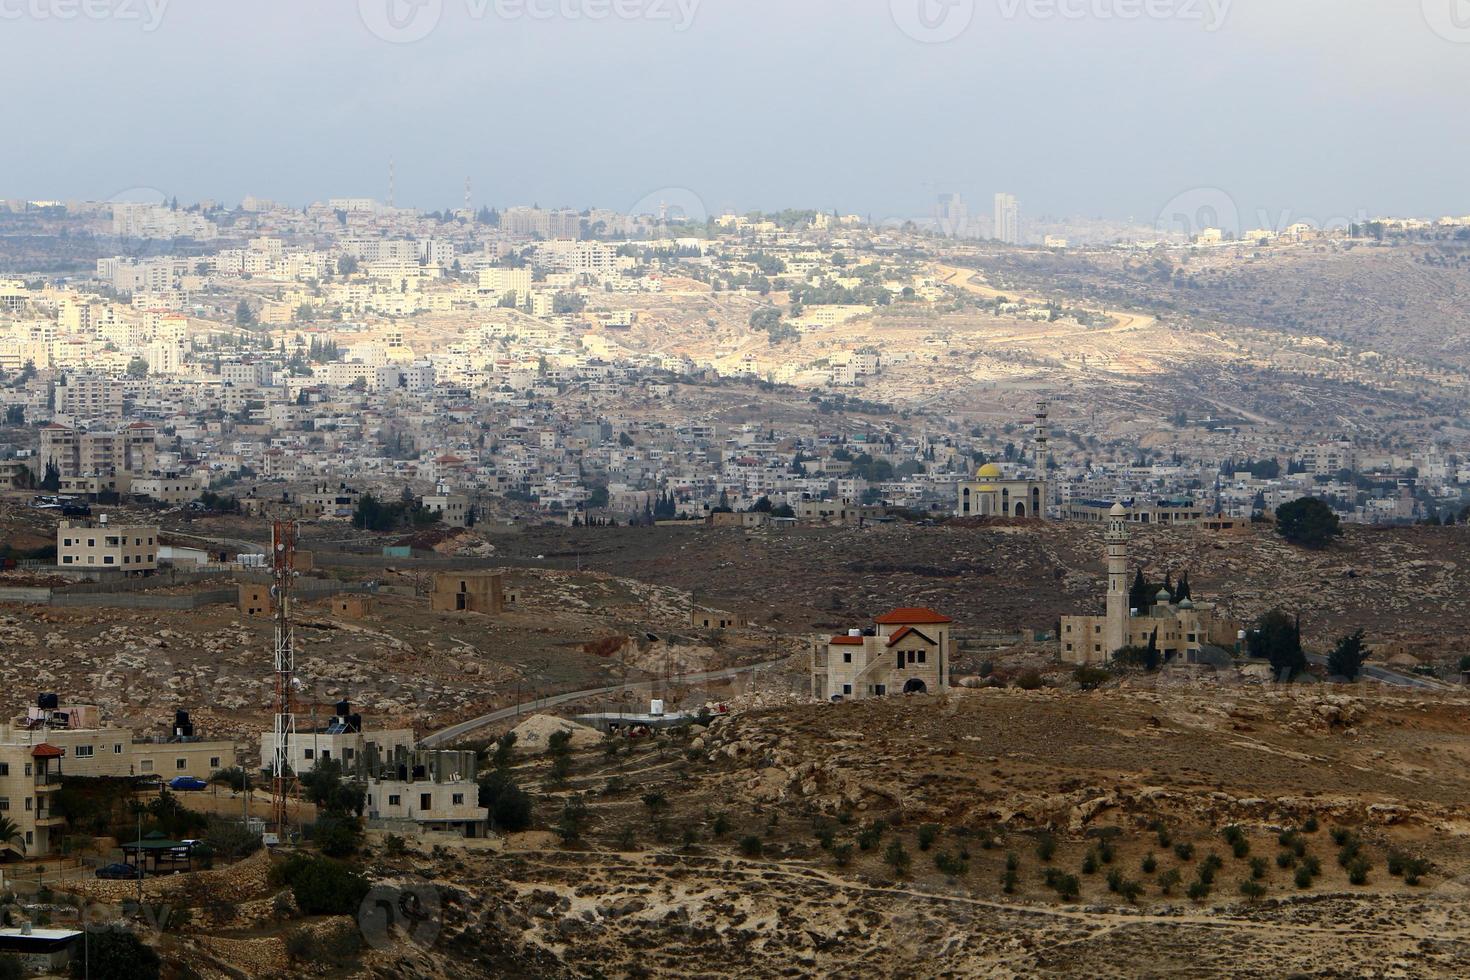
(50, 702)
(344, 708)
(355, 723)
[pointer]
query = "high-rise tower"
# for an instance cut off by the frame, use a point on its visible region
(1116, 630)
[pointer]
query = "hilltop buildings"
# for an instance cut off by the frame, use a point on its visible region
(1180, 630)
(906, 651)
(52, 739)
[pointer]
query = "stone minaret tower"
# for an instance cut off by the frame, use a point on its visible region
(1116, 630)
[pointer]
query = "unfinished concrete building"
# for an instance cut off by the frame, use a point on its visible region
(478, 592)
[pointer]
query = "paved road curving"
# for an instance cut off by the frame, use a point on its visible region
(462, 729)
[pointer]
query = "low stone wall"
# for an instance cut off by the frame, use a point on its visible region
(235, 883)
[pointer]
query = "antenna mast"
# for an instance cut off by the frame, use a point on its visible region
(283, 565)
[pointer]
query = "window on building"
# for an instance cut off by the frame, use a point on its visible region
(394, 799)
(4, 768)
(847, 658)
(922, 655)
(309, 753)
(29, 769)
(426, 801)
(117, 748)
(181, 763)
(458, 799)
(847, 689)
(4, 804)
(214, 762)
(146, 765)
(82, 751)
(347, 753)
(28, 804)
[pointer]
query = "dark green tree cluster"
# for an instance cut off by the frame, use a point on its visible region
(1277, 637)
(1307, 522)
(1346, 658)
(375, 515)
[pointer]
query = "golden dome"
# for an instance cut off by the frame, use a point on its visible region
(989, 472)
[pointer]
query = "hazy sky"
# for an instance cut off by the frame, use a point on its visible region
(1319, 108)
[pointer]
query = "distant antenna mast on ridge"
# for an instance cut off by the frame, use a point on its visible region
(283, 567)
(392, 185)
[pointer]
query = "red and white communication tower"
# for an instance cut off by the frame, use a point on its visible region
(283, 564)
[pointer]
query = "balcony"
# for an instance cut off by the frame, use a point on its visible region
(48, 780)
(47, 817)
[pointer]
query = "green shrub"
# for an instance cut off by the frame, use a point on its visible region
(1184, 851)
(1341, 835)
(321, 886)
(1013, 861)
(116, 954)
(927, 835)
(1358, 870)
(1170, 880)
(1198, 891)
(1310, 825)
(1313, 866)
(842, 854)
(950, 865)
(721, 825)
(1046, 846)
(1414, 869)
(1115, 880)
(1008, 881)
(1105, 852)
(1089, 863)
(1285, 859)
(1303, 877)
(510, 806)
(1030, 680)
(1150, 863)
(1252, 889)
(11, 967)
(897, 857)
(1258, 868)
(751, 846)
(1130, 890)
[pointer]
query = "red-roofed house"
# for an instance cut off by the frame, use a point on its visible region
(907, 651)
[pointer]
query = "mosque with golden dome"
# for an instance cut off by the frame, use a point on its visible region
(994, 494)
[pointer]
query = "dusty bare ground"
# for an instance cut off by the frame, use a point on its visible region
(1395, 583)
(720, 855)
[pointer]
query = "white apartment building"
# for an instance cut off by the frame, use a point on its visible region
(51, 740)
(100, 545)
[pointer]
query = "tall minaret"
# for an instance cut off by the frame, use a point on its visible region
(1043, 436)
(1116, 631)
